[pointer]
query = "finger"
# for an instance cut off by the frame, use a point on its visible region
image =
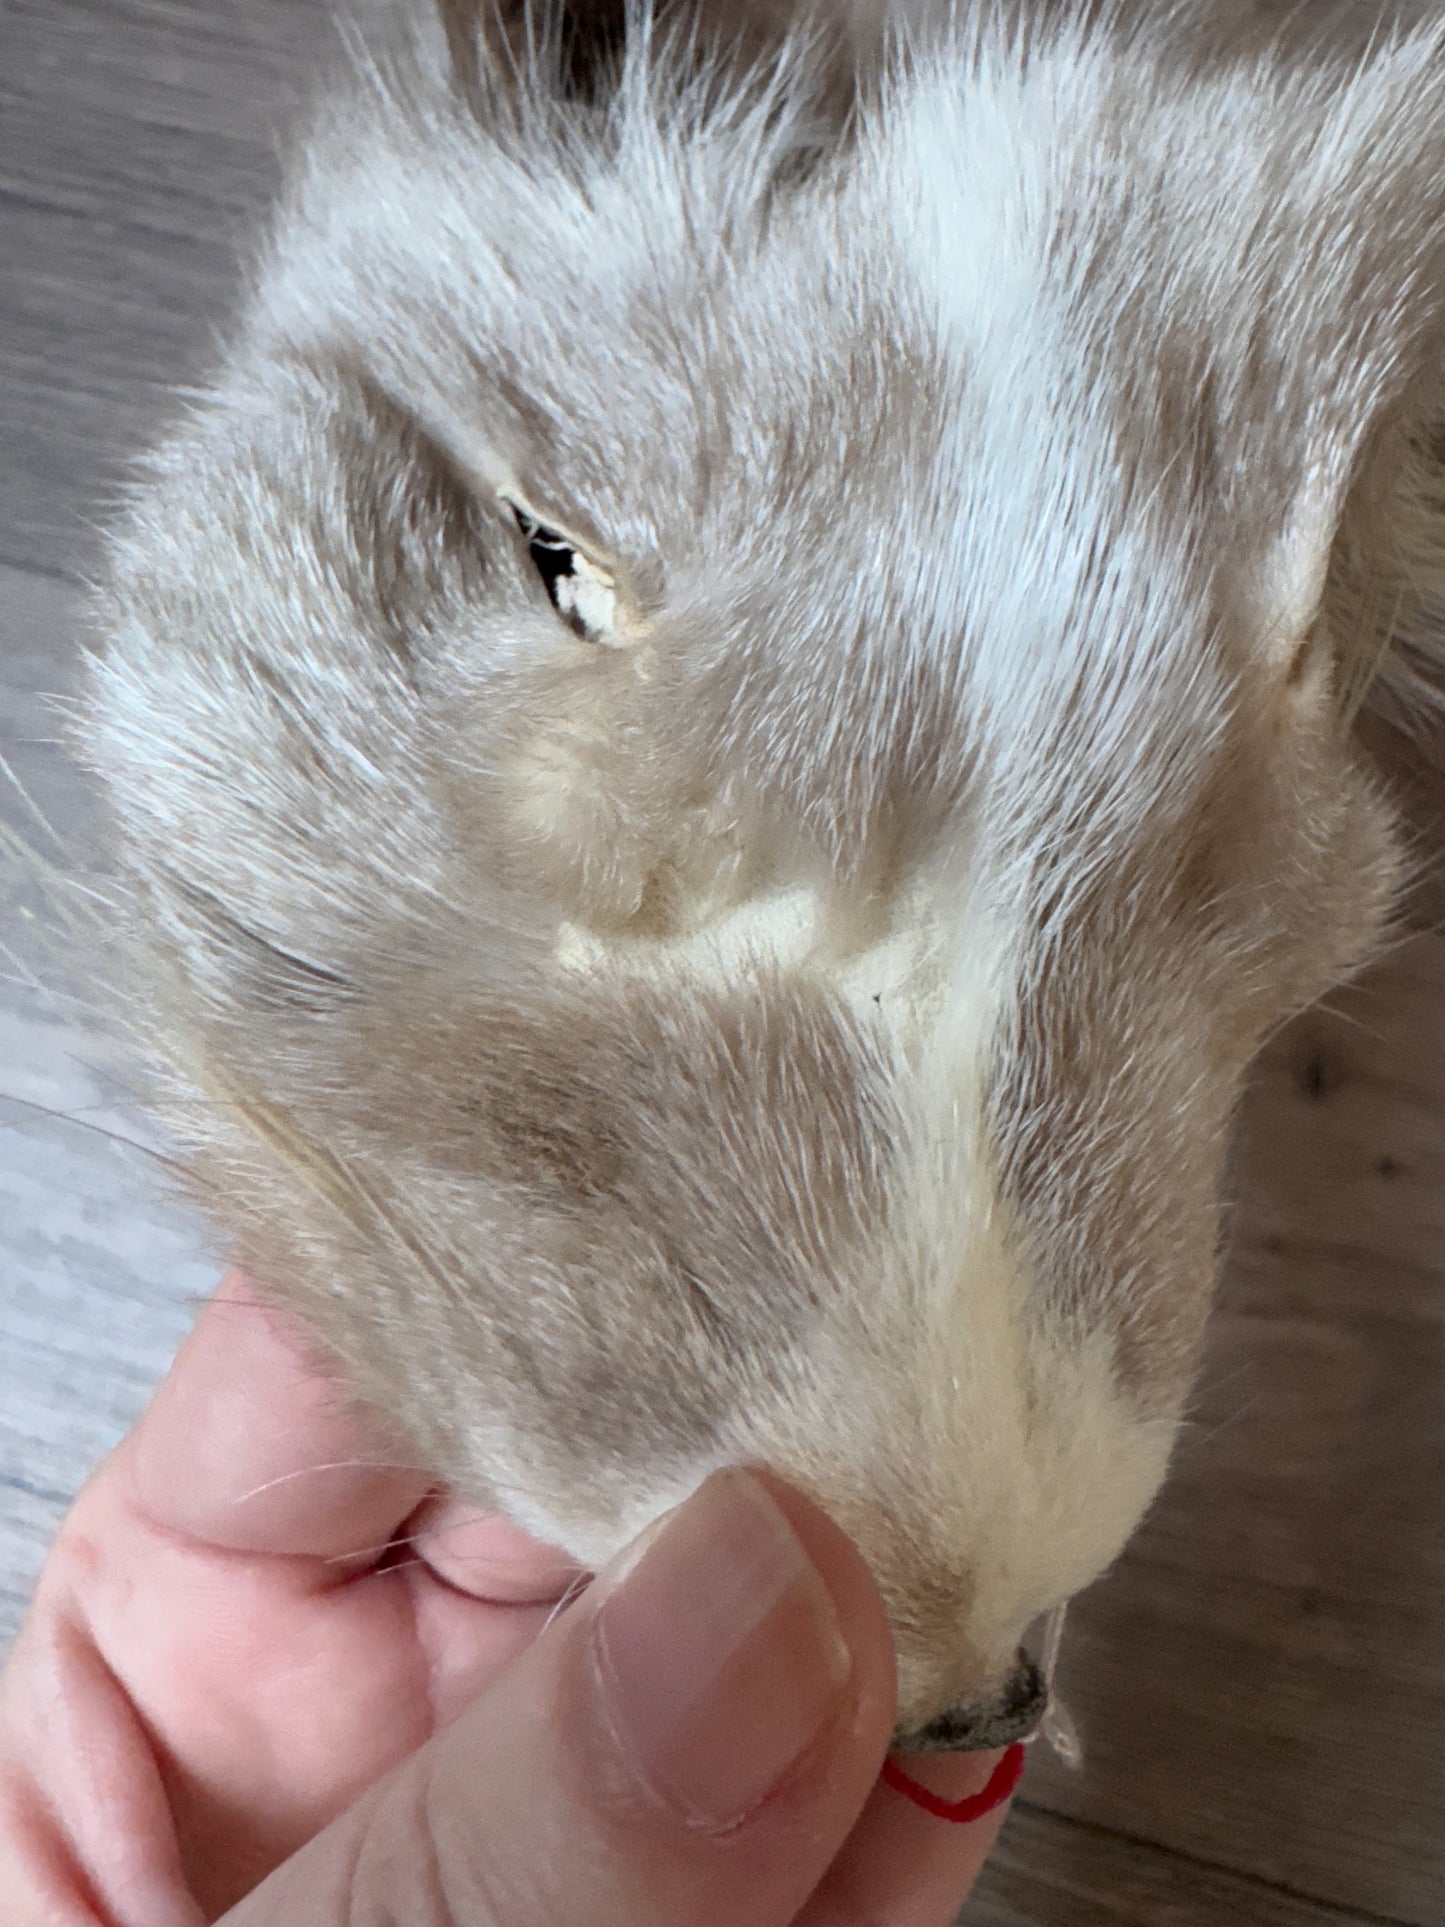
(905, 1866)
(693, 1741)
(244, 1700)
(85, 1824)
(248, 1698)
(489, 1557)
(248, 1444)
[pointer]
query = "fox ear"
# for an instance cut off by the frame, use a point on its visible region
(1357, 558)
(571, 47)
(577, 50)
(1334, 364)
(1385, 603)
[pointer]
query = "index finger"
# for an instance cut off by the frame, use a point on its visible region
(249, 1444)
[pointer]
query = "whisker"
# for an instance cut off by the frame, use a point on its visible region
(32, 807)
(27, 980)
(81, 1123)
(200, 1300)
(385, 1571)
(1195, 1430)
(333, 1465)
(372, 1552)
(573, 1593)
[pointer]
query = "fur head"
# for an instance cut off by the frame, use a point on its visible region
(730, 722)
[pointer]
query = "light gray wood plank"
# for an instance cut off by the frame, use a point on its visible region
(98, 1268)
(138, 144)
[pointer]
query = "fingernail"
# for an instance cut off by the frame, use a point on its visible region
(720, 1655)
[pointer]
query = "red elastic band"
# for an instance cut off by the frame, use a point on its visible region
(1004, 1778)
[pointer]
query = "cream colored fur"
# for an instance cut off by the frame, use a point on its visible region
(784, 998)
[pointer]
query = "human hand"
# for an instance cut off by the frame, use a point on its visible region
(263, 1672)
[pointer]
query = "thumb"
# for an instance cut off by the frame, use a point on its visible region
(692, 1741)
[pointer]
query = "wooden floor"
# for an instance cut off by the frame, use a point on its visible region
(1261, 1681)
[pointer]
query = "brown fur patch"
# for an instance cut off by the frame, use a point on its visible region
(615, 1098)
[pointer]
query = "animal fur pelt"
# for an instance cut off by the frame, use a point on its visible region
(736, 709)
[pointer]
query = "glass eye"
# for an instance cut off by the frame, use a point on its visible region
(583, 594)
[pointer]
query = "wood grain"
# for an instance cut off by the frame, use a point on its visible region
(1260, 1680)
(138, 142)
(1051, 1872)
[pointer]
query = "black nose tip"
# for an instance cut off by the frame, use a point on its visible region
(978, 1725)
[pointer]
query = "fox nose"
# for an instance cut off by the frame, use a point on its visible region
(974, 1726)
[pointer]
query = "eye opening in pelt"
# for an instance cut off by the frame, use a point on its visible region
(582, 592)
